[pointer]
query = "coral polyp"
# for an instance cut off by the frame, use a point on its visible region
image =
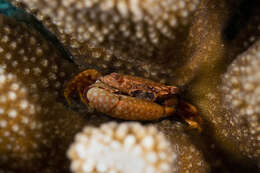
(241, 96)
(99, 36)
(137, 27)
(200, 46)
(32, 117)
(122, 148)
(19, 128)
(229, 102)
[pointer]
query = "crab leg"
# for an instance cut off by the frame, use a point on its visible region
(190, 114)
(125, 107)
(80, 82)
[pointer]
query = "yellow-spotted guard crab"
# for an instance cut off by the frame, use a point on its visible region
(130, 97)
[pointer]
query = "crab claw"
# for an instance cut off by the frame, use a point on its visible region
(79, 83)
(190, 115)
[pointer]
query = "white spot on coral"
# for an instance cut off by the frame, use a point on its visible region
(44, 63)
(15, 127)
(120, 153)
(6, 133)
(2, 79)
(2, 99)
(8, 56)
(14, 86)
(37, 71)
(12, 95)
(24, 104)
(2, 111)
(3, 123)
(12, 113)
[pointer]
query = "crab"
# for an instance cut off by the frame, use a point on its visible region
(130, 97)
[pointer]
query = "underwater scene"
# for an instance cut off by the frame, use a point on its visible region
(129, 86)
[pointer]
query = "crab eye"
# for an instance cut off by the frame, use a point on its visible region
(116, 76)
(143, 95)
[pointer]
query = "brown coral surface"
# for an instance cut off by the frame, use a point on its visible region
(136, 37)
(197, 45)
(33, 120)
(226, 126)
(240, 94)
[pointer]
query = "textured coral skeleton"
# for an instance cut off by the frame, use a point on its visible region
(190, 157)
(240, 95)
(232, 137)
(30, 92)
(99, 36)
(139, 28)
(110, 147)
(235, 139)
(196, 45)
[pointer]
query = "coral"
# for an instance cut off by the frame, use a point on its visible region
(205, 45)
(17, 121)
(191, 150)
(211, 53)
(240, 91)
(138, 27)
(37, 58)
(188, 44)
(90, 31)
(117, 140)
(32, 118)
(125, 148)
(232, 129)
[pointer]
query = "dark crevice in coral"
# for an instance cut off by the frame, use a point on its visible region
(240, 19)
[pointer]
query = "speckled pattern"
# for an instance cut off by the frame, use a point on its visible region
(124, 107)
(38, 59)
(130, 53)
(129, 84)
(191, 151)
(205, 92)
(241, 96)
(122, 148)
(32, 118)
(140, 27)
(17, 120)
(201, 51)
(102, 100)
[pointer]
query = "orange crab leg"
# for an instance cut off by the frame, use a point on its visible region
(80, 82)
(186, 111)
(125, 107)
(190, 114)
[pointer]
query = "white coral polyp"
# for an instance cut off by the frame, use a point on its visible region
(121, 148)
